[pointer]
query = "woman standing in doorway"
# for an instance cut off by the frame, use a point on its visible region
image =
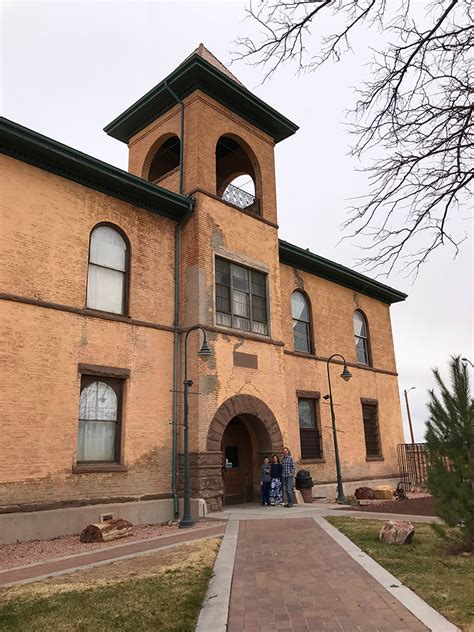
(276, 495)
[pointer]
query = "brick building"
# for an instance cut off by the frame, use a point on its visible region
(104, 270)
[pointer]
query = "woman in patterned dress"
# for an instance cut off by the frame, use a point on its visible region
(276, 494)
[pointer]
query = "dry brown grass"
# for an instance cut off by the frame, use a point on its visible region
(161, 590)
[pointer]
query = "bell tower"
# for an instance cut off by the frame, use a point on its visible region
(201, 130)
(201, 133)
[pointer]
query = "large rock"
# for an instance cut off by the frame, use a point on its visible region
(397, 532)
(383, 492)
(364, 493)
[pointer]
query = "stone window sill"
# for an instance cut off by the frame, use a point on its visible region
(374, 458)
(94, 468)
(308, 461)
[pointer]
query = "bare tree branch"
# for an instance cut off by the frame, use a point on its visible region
(413, 117)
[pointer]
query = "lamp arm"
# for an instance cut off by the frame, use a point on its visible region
(193, 328)
(334, 355)
(337, 355)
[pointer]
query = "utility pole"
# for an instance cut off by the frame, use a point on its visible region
(408, 412)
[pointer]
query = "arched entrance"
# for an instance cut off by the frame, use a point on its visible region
(243, 431)
(237, 473)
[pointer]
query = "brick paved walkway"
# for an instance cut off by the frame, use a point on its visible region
(290, 575)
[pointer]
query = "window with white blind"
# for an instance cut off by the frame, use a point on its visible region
(361, 339)
(108, 270)
(301, 322)
(98, 439)
(241, 297)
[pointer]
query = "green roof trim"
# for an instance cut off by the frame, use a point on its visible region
(40, 151)
(196, 73)
(319, 266)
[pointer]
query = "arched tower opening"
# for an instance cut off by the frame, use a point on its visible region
(237, 174)
(163, 159)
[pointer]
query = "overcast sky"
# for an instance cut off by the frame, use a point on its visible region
(69, 68)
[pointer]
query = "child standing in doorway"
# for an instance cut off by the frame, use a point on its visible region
(265, 481)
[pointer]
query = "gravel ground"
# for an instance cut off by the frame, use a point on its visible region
(27, 553)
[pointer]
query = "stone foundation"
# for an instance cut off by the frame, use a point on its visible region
(206, 478)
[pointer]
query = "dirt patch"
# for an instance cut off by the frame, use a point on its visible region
(27, 553)
(423, 506)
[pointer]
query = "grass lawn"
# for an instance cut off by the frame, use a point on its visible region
(444, 580)
(160, 591)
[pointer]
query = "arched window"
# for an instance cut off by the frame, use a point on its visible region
(236, 175)
(301, 322)
(108, 267)
(361, 338)
(166, 159)
(99, 410)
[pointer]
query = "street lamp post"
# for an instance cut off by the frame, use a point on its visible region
(204, 353)
(408, 412)
(346, 376)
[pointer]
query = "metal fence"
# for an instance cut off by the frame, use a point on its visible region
(413, 463)
(242, 199)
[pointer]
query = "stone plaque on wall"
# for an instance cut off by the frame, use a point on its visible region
(246, 360)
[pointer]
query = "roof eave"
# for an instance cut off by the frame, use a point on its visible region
(135, 118)
(40, 151)
(332, 271)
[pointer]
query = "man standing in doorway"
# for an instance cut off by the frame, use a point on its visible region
(288, 469)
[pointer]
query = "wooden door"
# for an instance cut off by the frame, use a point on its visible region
(237, 470)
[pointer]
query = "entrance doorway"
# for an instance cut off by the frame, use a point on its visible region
(238, 464)
(242, 432)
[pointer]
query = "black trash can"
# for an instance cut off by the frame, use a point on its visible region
(304, 483)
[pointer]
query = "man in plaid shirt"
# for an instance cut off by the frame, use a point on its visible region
(288, 469)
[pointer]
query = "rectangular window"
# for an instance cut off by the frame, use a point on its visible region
(371, 429)
(310, 437)
(241, 297)
(232, 456)
(100, 411)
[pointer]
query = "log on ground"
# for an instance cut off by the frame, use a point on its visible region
(106, 531)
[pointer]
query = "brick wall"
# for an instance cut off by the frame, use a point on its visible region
(47, 222)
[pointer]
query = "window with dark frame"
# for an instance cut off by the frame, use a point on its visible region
(100, 412)
(232, 456)
(107, 271)
(371, 429)
(301, 322)
(361, 339)
(310, 436)
(241, 297)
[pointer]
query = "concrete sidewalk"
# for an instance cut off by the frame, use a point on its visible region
(71, 563)
(255, 511)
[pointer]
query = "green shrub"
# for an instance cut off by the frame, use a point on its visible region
(450, 439)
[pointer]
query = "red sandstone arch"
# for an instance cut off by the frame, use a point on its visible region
(243, 405)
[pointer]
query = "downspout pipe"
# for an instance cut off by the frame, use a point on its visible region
(177, 239)
(181, 144)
